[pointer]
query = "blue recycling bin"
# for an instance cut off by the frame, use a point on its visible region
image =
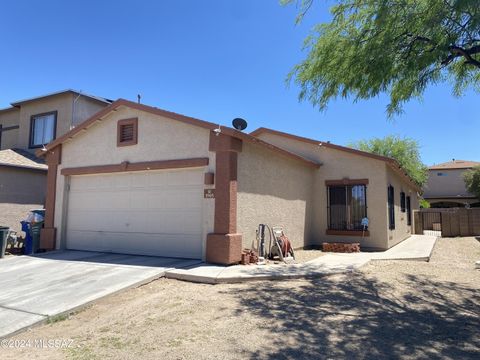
(28, 238)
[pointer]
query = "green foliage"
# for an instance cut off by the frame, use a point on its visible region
(405, 151)
(424, 204)
(472, 181)
(397, 47)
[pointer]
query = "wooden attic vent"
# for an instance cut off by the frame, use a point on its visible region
(127, 132)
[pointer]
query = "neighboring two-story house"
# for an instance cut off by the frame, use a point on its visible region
(446, 187)
(26, 126)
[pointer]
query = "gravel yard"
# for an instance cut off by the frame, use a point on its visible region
(390, 309)
(302, 256)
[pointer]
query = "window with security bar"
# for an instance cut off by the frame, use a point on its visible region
(347, 206)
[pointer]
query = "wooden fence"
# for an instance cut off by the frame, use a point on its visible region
(451, 222)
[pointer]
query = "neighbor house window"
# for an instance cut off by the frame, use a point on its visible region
(409, 211)
(402, 202)
(127, 132)
(347, 206)
(391, 207)
(42, 129)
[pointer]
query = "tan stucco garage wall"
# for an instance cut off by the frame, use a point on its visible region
(337, 165)
(402, 230)
(61, 103)
(159, 138)
(273, 190)
(9, 118)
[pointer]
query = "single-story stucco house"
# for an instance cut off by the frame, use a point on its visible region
(140, 180)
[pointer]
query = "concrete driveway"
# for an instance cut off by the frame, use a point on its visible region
(33, 288)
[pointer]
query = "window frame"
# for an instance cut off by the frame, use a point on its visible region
(403, 204)
(123, 122)
(391, 207)
(409, 210)
(346, 184)
(31, 145)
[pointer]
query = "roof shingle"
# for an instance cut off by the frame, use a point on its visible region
(22, 159)
(455, 164)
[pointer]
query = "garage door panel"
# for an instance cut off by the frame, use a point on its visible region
(99, 200)
(145, 221)
(172, 245)
(149, 213)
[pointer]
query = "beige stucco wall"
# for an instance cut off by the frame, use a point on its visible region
(61, 103)
(451, 184)
(9, 118)
(20, 191)
(22, 186)
(402, 230)
(85, 107)
(159, 138)
(337, 165)
(273, 190)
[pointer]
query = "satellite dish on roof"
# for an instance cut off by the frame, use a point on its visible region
(239, 124)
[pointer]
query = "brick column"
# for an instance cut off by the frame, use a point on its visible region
(48, 233)
(224, 245)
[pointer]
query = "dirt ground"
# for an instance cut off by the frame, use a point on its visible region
(389, 309)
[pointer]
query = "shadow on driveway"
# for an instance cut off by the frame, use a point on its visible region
(117, 259)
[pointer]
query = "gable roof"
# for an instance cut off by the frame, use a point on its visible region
(99, 116)
(97, 98)
(455, 164)
(22, 159)
(392, 163)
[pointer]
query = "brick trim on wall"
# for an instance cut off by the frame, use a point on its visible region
(348, 232)
(138, 166)
(224, 245)
(48, 233)
(343, 182)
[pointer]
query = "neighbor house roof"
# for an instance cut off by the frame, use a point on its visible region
(84, 126)
(455, 164)
(392, 163)
(98, 98)
(22, 159)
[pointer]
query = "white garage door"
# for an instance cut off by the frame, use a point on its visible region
(149, 213)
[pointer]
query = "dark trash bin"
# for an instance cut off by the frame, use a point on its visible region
(28, 247)
(32, 227)
(3, 240)
(35, 229)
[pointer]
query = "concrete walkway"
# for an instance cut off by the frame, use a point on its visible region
(416, 247)
(34, 288)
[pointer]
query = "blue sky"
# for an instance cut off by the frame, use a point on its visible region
(215, 60)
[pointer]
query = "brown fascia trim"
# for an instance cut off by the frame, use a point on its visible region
(348, 232)
(120, 123)
(392, 163)
(209, 178)
(139, 166)
(174, 116)
(346, 182)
